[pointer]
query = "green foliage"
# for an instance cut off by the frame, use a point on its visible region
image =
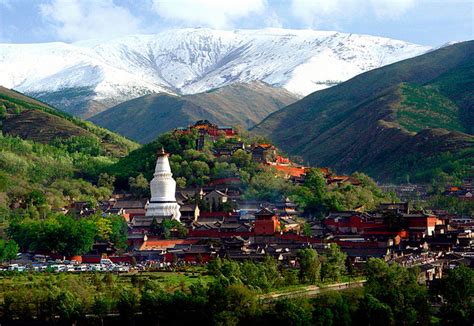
(241, 158)
(259, 276)
(58, 233)
(80, 144)
(65, 235)
(313, 196)
(457, 290)
(310, 266)
(3, 112)
(106, 181)
(316, 198)
(391, 297)
(41, 175)
(291, 312)
(196, 168)
(8, 250)
(265, 185)
(396, 290)
(139, 186)
(334, 264)
(143, 160)
(423, 108)
(431, 167)
(128, 304)
(168, 225)
(112, 143)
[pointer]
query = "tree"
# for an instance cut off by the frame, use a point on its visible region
(119, 231)
(310, 266)
(128, 304)
(167, 225)
(241, 158)
(68, 306)
(101, 307)
(371, 312)
(292, 312)
(106, 180)
(397, 288)
(181, 182)
(334, 265)
(457, 289)
(155, 228)
(267, 185)
(3, 112)
(8, 250)
(312, 195)
(58, 233)
(306, 229)
(35, 198)
(104, 229)
(139, 186)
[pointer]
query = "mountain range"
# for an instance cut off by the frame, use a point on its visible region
(411, 120)
(144, 118)
(87, 77)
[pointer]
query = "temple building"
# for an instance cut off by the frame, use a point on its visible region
(163, 202)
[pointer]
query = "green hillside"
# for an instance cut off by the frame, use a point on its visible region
(48, 158)
(423, 108)
(144, 118)
(30, 119)
(392, 122)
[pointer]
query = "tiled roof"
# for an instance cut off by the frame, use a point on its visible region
(163, 244)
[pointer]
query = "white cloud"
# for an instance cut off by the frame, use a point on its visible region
(272, 20)
(210, 13)
(6, 4)
(391, 9)
(74, 20)
(314, 13)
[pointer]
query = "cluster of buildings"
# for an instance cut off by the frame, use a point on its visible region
(412, 192)
(218, 222)
(205, 129)
(252, 229)
(465, 191)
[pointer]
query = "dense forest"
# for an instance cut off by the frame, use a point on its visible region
(234, 295)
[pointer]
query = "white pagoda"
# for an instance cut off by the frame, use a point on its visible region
(163, 191)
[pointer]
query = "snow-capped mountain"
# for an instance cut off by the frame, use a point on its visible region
(98, 74)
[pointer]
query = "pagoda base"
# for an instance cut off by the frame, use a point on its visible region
(164, 209)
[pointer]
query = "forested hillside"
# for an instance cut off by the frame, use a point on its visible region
(49, 159)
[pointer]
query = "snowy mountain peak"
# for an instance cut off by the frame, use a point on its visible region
(187, 61)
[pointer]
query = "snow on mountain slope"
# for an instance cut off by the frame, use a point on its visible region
(188, 61)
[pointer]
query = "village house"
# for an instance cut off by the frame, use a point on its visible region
(263, 153)
(216, 199)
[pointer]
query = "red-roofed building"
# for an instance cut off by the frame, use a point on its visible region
(266, 223)
(206, 127)
(282, 160)
(291, 171)
(160, 244)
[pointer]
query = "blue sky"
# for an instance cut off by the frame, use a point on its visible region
(428, 22)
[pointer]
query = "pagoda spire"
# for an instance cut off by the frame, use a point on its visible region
(161, 152)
